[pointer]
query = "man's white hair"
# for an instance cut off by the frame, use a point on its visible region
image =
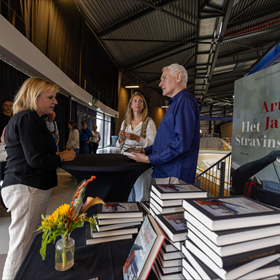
(176, 68)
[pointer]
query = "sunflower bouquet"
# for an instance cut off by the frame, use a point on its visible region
(68, 217)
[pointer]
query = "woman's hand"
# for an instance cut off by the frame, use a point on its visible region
(132, 136)
(67, 156)
(121, 136)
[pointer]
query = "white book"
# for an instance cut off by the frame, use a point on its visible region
(93, 241)
(230, 273)
(170, 246)
(167, 270)
(169, 263)
(109, 233)
(165, 210)
(170, 255)
(237, 248)
(154, 209)
(191, 270)
(226, 237)
(116, 226)
(186, 274)
(118, 221)
(173, 276)
(166, 203)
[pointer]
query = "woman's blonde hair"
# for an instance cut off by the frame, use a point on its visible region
(129, 112)
(29, 91)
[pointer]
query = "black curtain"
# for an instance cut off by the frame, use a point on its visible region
(11, 80)
(74, 111)
(62, 118)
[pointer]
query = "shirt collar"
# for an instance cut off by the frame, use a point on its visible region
(174, 98)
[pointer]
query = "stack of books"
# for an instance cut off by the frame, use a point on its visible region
(231, 238)
(168, 198)
(116, 221)
(166, 207)
(146, 207)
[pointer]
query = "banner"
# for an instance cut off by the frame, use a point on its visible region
(256, 128)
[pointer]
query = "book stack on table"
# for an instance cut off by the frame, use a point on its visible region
(146, 207)
(168, 198)
(116, 221)
(231, 238)
(166, 207)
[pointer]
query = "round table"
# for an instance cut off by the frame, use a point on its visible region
(115, 175)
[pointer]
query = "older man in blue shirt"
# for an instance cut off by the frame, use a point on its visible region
(175, 149)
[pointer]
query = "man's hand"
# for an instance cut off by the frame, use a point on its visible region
(140, 158)
(132, 136)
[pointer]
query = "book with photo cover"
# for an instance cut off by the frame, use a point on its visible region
(174, 226)
(232, 272)
(236, 248)
(119, 221)
(236, 259)
(227, 237)
(223, 213)
(115, 210)
(202, 269)
(144, 250)
(164, 210)
(166, 203)
(178, 191)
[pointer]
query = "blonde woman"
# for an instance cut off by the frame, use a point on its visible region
(138, 130)
(31, 167)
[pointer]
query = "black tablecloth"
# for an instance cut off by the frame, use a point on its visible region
(104, 261)
(115, 175)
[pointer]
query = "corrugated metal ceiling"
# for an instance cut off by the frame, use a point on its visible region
(143, 36)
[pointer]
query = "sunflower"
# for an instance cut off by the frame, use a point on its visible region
(62, 211)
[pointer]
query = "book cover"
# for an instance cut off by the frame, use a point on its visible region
(178, 191)
(232, 272)
(222, 213)
(227, 237)
(174, 225)
(144, 250)
(119, 210)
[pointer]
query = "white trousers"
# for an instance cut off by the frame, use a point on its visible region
(26, 205)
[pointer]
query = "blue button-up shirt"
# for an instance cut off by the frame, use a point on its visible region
(175, 149)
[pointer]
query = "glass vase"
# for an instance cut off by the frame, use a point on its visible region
(64, 253)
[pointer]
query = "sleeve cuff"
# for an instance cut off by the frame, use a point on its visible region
(155, 159)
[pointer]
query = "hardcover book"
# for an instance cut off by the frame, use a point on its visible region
(169, 263)
(178, 191)
(223, 213)
(202, 269)
(171, 255)
(161, 276)
(167, 270)
(236, 259)
(121, 231)
(236, 248)
(119, 221)
(193, 273)
(166, 203)
(174, 225)
(186, 274)
(116, 226)
(226, 237)
(168, 246)
(114, 210)
(164, 210)
(146, 206)
(233, 272)
(144, 250)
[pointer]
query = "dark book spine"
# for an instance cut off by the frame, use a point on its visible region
(240, 259)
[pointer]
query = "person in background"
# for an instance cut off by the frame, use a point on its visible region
(52, 127)
(85, 137)
(138, 130)
(73, 142)
(31, 167)
(6, 114)
(93, 144)
(175, 150)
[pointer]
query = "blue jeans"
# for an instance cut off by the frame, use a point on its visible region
(84, 148)
(76, 151)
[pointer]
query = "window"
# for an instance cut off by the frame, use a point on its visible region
(107, 133)
(100, 128)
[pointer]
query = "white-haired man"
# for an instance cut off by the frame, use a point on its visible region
(175, 149)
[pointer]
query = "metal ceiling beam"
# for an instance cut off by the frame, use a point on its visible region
(158, 59)
(160, 9)
(241, 12)
(246, 46)
(132, 18)
(260, 16)
(193, 41)
(223, 93)
(251, 34)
